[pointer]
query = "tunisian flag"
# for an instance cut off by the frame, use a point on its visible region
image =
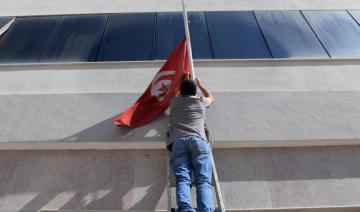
(156, 98)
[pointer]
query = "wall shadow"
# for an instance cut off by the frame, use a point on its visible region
(87, 180)
(106, 131)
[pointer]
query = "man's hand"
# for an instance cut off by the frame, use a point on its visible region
(204, 90)
(198, 81)
(177, 92)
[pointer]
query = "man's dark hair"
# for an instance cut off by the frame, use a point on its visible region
(188, 87)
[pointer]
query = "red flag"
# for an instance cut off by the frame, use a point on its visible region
(156, 98)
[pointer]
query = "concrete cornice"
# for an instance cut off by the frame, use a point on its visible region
(197, 63)
(154, 145)
(54, 7)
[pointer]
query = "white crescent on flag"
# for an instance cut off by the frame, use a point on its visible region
(159, 86)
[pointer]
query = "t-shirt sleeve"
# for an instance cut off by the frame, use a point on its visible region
(205, 102)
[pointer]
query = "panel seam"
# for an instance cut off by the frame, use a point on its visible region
(102, 37)
(210, 41)
(312, 29)
(155, 34)
(262, 33)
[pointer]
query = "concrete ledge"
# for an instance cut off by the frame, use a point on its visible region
(44, 7)
(305, 209)
(56, 145)
(158, 145)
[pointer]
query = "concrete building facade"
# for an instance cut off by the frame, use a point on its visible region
(286, 131)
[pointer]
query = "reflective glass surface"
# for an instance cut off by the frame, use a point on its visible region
(4, 21)
(128, 37)
(199, 36)
(153, 36)
(337, 30)
(170, 30)
(76, 38)
(355, 14)
(288, 35)
(236, 35)
(27, 39)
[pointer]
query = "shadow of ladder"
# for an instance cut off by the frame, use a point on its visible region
(215, 180)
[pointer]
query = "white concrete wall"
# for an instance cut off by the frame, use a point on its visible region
(257, 103)
(46, 7)
(135, 180)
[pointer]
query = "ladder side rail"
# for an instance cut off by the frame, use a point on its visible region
(168, 187)
(219, 197)
(168, 176)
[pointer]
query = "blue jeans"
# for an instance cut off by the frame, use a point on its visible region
(192, 153)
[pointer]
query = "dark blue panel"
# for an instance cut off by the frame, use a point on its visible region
(27, 39)
(199, 35)
(337, 30)
(236, 35)
(4, 21)
(289, 35)
(76, 38)
(128, 37)
(170, 30)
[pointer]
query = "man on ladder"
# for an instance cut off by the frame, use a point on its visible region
(190, 149)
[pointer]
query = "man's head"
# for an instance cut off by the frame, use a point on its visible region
(188, 87)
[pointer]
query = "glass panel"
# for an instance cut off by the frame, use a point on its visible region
(170, 30)
(236, 35)
(289, 35)
(128, 37)
(200, 42)
(76, 38)
(337, 30)
(356, 15)
(26, 39)
(4, 21)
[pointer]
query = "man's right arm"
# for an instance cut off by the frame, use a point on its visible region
(207, 94)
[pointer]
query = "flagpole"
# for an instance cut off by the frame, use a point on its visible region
(188, 41)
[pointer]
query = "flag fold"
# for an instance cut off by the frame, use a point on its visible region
(156, 98)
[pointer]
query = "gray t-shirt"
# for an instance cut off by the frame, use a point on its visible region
(187, 117)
